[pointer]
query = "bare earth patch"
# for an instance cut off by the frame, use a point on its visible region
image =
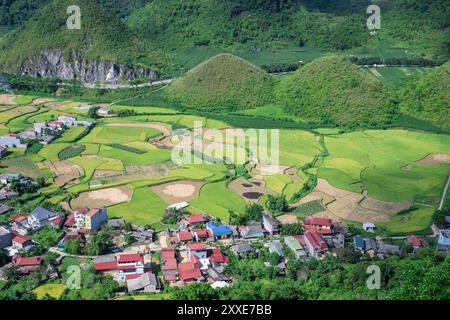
(348, 205)
(22, 110)
(180, 191)
(375, 72)
(435, 158)
(265, 169)
(103, 197)
(8, 99)
(250, 192)
(64, 171)
(105, 173)
(61, 105)
(287, 219)
(40, 101)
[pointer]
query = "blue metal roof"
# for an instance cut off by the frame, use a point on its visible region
(358, 241)
(222, 230)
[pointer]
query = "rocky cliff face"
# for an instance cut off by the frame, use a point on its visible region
(51, 63)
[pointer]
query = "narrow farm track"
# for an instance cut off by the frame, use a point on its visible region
(444, 193)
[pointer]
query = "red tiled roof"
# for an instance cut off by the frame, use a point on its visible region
(170, 277)
(301, 239)
(130, 257)
(57, 221)
(31, 261)
(415, 241)
(312, 228)
(197, 218)
(324, 222)
(218, 256)
(316, 241)
(20, 239)
(20, 218)
(197, 247)
(126, 267)
(92, 212)
(105, 266)
(201, 233)
(56, 123)
(132, 276)
(185, 236)
(195, 261)
(70, 220)
(187, 272)
(169, 264)
(81, 210)
(168, 253)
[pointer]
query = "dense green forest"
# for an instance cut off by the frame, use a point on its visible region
(428, 95)
(102, 36)
(416, 277)
(332, 90)
(223, 83)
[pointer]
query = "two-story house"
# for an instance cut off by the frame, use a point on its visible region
(90, 219)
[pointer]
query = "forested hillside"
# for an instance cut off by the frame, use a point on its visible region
(223, 83)
(428, 95)
(102, 36)
(331, 90)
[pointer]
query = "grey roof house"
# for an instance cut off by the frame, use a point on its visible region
(147, 282)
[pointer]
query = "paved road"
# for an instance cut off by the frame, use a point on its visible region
(444, 193)
(120, 86)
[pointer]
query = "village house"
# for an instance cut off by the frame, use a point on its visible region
(141, 235)
(7, 178)
(3, 151)
(388, 249)
(443, 244)
(183, 236)
(315, 244)
(220, 232)
(169, 264)
(5, 238)
(190, 271)
(370, 246)
(202, 235)
(71, 121)
(251, 231)
(90, 219)
(415, 242)
(368, 227)
(322, 226)
(41, 217)
(242, 249)
(116, 223)
(6, 194)
(146, 283)
(270, 224)
(26, 265)
(12, 140)
(67, 120)
(130, 265)
(19, 224)
(275, 247)
(217, 274)
(28, 134)
(296, 247)
(217, 258)
(4, 208)
(358, 243)
(198, 249)
(105, 263)
(23, 243)
(195, 221)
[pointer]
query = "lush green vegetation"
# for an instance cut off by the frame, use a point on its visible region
(109, 38)
(420, 276)
(309, 208)
(71, 151)
(126, 148)
(331, 90)
(223, 83)
(428, 95)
